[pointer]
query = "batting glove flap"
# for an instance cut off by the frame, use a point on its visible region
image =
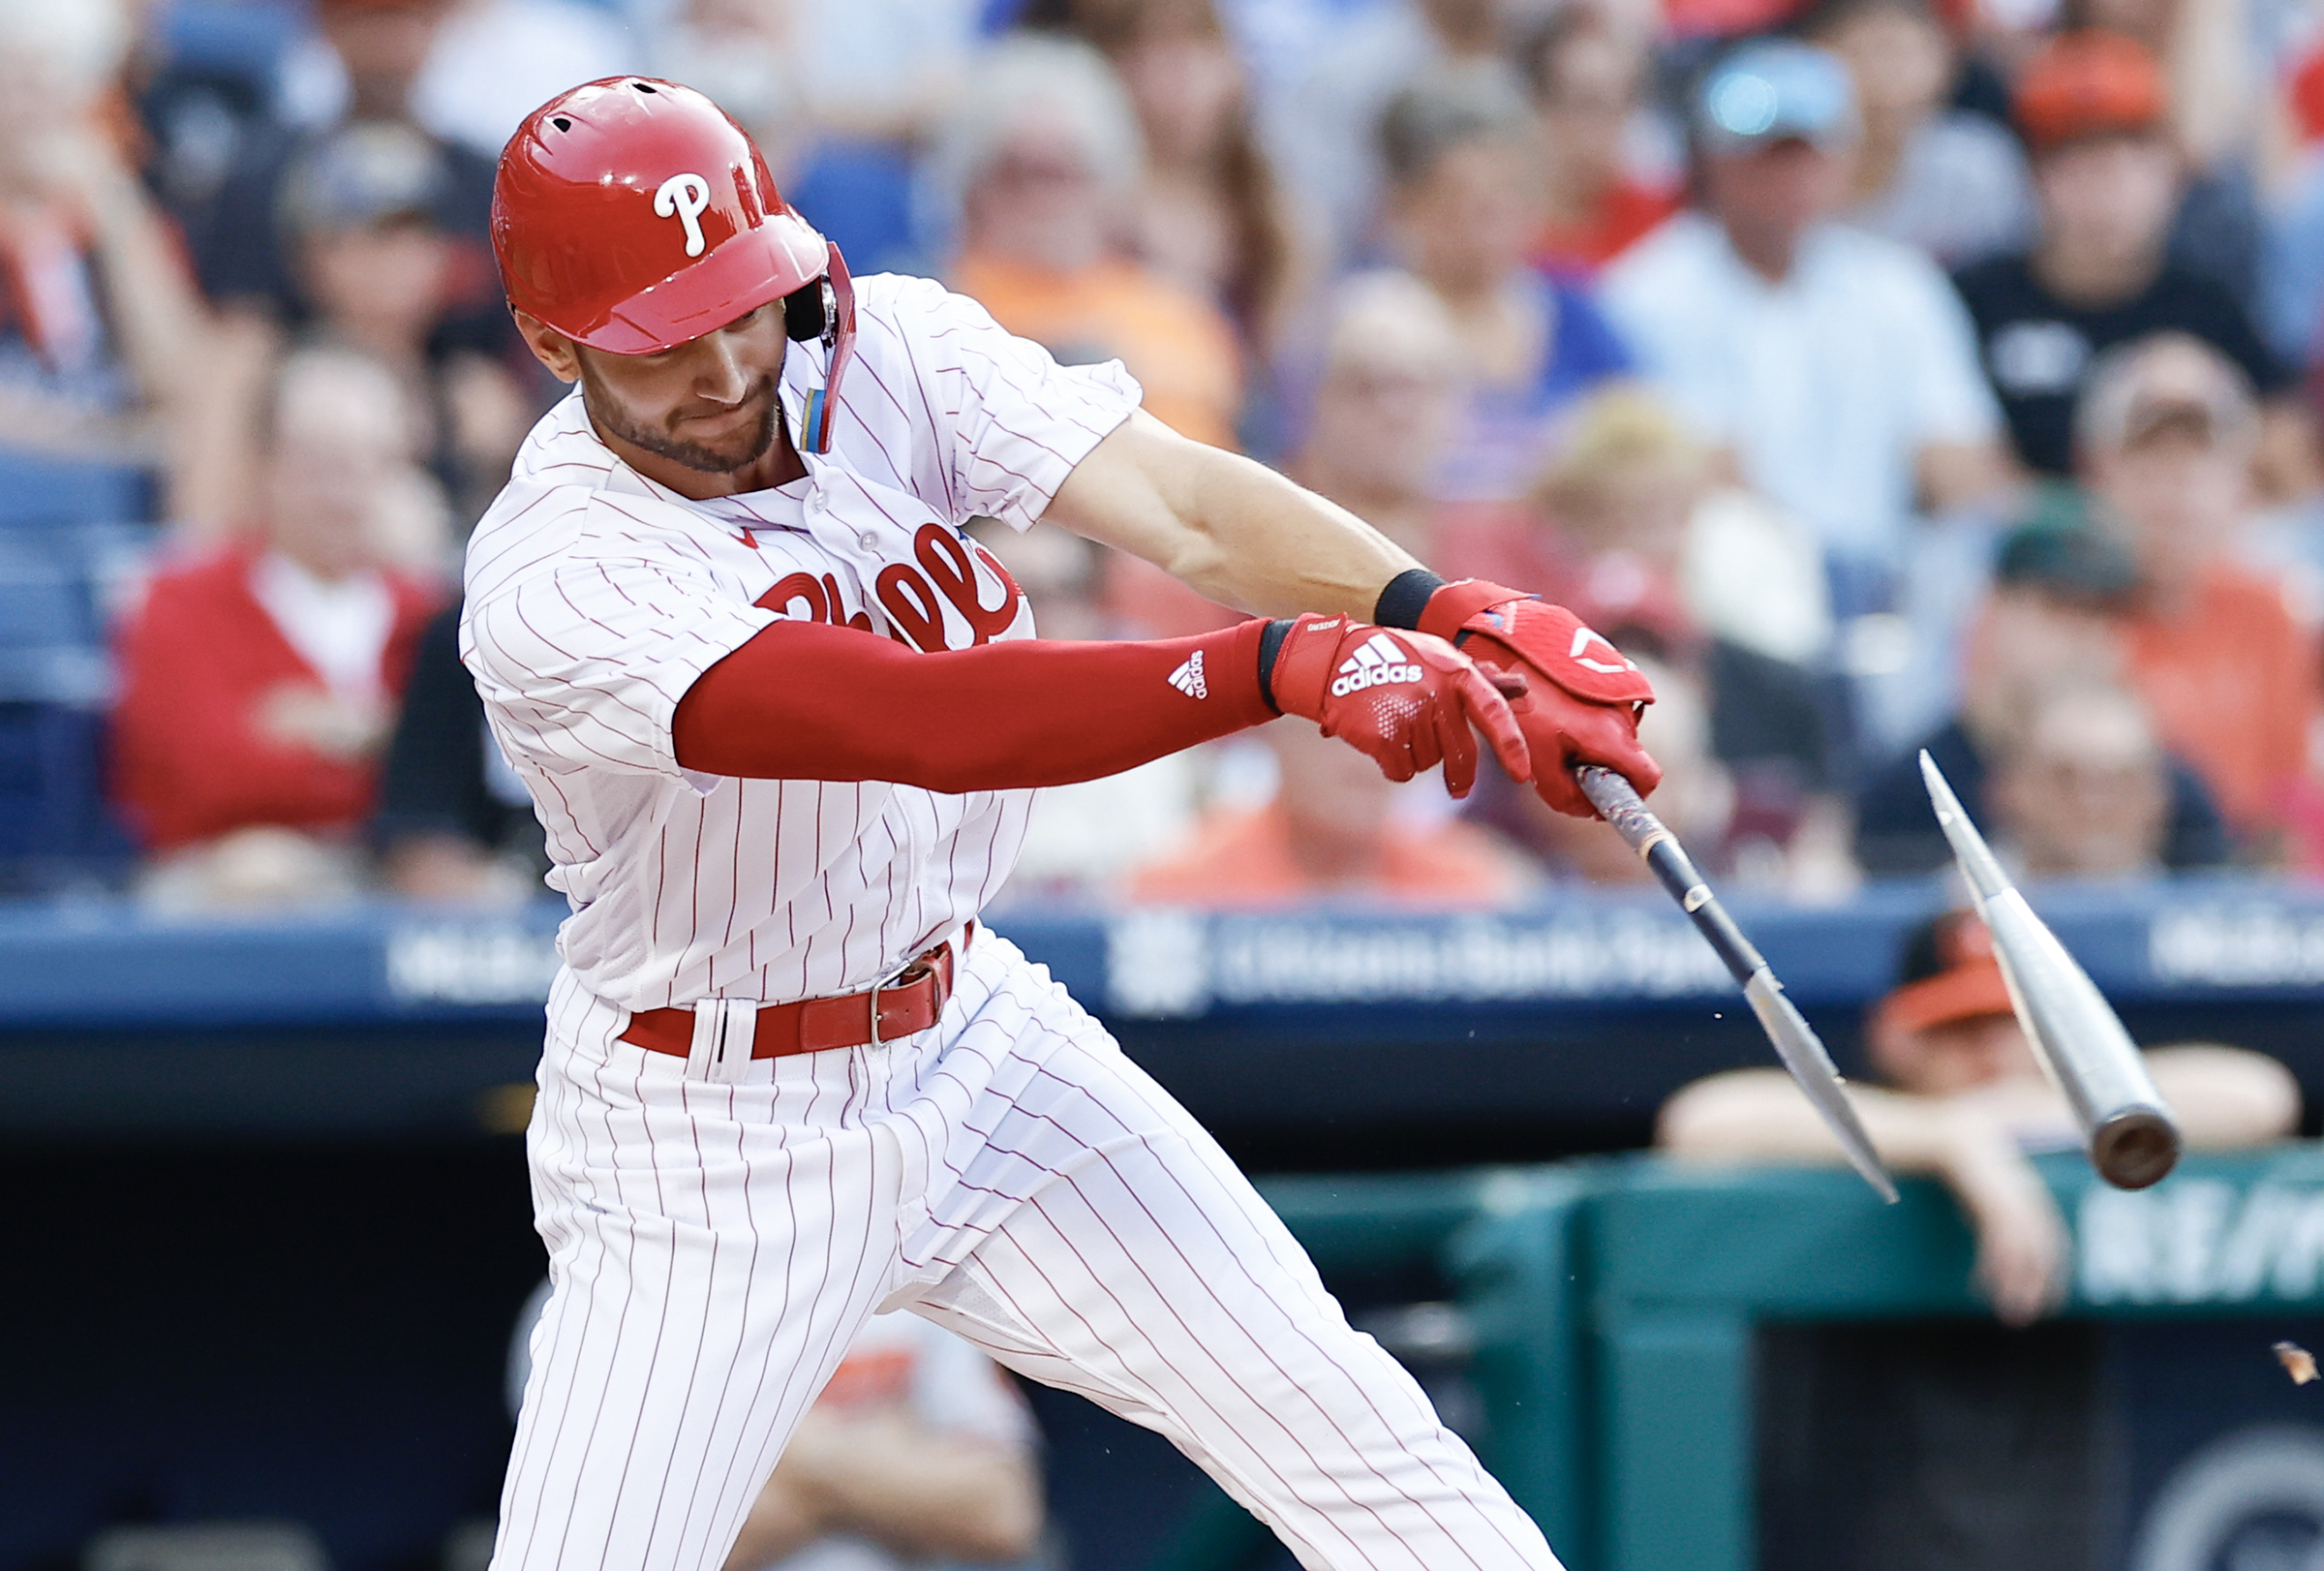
(1406, 700)
(1581, 698)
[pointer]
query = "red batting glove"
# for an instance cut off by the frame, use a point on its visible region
(1405, 698)
(1581, 700)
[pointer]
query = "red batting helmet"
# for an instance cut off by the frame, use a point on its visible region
(632, 215)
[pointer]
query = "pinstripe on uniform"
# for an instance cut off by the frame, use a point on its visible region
(715, 1242)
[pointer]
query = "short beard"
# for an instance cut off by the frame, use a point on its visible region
(738, 451)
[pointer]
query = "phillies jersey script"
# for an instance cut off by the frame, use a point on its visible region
(596, 597)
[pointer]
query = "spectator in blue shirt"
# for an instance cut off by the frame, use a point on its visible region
(1834, 369)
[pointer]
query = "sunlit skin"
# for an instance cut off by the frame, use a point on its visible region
(1955, 1055)
(703, 417)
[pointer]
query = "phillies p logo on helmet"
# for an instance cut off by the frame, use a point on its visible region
(683, 196)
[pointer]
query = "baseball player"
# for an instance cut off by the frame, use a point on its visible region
(782, 723)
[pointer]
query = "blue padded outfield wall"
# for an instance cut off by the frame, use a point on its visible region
(1543, 1031)
(271, 1231)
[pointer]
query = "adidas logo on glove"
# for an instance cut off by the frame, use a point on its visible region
(1377, 660)
(1188, 678)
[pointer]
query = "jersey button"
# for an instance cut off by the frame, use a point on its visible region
(868, 540)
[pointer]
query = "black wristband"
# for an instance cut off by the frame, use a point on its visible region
(1270, 645)
(1405, 598)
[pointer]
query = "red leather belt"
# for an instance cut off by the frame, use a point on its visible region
(908, 1002)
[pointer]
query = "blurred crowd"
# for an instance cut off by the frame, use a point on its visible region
(1882, 374)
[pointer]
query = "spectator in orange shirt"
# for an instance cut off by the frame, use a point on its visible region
(1043, 156)
(1588, 79)
(2164, 436)
(258, 683)
(1330, 831)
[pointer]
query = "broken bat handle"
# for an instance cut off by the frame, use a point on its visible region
(1621, 806)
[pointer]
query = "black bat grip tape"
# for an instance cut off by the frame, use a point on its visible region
(1616, 798)
(1676, 871)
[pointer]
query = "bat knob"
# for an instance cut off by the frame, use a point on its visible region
(2135, 1148)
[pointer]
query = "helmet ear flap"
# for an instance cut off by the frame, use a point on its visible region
(807, 311)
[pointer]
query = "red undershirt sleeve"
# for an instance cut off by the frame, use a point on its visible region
(803, 700)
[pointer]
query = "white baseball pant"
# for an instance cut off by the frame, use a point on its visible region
(717, 1238)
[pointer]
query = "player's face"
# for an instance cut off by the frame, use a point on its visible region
(706, 407)
(707, 404)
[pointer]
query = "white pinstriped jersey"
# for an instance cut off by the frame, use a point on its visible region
(594, 598)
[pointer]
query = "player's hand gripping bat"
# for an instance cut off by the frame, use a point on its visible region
(1795, 1042)
(2133, 1140)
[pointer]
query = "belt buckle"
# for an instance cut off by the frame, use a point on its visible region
(914, 970)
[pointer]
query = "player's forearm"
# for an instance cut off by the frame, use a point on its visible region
(1234, 530)
(805, 702)
(1277, 548)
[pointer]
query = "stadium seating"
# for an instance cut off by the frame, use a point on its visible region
(56, 581)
